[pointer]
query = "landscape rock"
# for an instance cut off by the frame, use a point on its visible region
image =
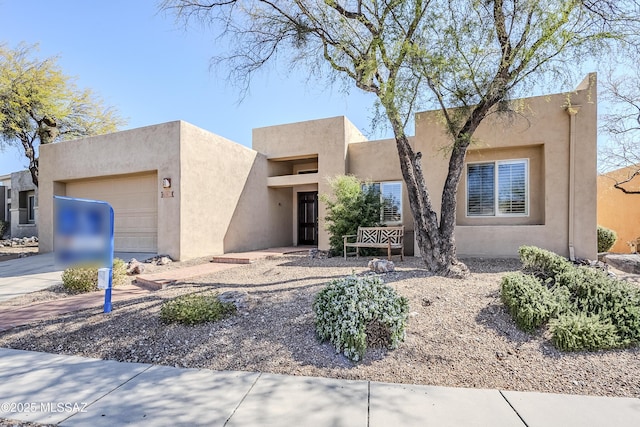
(239, 298)
(629, 263)
(164, 260)
(318, 254)
(380, 266)
(135, 267)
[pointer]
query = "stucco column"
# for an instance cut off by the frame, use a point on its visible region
(572, 111)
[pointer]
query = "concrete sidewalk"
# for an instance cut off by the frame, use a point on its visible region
(76, 391)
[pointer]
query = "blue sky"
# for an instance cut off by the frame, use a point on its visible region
(153, 70)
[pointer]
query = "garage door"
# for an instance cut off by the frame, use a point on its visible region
(135, 204)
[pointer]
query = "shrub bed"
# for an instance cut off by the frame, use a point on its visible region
(84, 278)
(354, 312)
(584, 307)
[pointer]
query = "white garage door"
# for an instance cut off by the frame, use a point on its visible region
(134, 199)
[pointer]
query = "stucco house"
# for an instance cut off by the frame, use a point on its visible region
(180, 190)
(19, 204)
(618, 210)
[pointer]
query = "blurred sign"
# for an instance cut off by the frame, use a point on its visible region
(83, 232)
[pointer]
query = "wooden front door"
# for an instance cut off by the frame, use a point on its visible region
(308, 218)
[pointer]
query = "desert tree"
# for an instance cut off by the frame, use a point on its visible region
(619, 155)
(466, 58)
(39, 104)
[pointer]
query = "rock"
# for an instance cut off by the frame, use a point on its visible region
(380, 266)
(318, 254)
(164, 260)
(629, 263)
(239, 298)
(135, 267)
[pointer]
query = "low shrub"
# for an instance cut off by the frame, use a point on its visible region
(530, 302)
(593, 292)
(192, 309)
(84, 278)
(580, 331)
(586, 308)
(544, 264)
(4, 227)
(606, 238)
(354, 312)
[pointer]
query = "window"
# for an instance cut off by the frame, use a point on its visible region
(31, 211)
(497, 188)
(8, 193)
(391, 197)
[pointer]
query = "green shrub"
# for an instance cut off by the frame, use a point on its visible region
(192, 309)
(586, 308)
(351, 207)
(350, 310)
(580, 331)
(530, 302)
(615, 301)
(544, 264)
(4, 227)
(84, 278)
(606, 239)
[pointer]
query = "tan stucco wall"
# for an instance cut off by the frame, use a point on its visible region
(147, 149)
(262, 217)
(618, 211)
(543, 122)
(327, 139)
(214, 172)
(378, 161)
(218, 187)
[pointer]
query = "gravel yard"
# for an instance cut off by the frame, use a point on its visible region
(459, 334)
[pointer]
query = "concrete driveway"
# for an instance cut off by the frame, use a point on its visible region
(24, 275)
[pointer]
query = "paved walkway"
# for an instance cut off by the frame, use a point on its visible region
(11, 317)
(76, 391)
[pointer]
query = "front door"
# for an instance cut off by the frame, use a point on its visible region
(308, 218)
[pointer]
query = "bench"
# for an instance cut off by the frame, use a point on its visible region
(376, 237)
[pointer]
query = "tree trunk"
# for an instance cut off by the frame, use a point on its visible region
(436, 243)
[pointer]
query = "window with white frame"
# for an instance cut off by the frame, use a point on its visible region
(391, 197)
(498, 188)
(31, 208)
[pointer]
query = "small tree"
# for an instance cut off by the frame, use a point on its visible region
(353, 205)
(41, 105)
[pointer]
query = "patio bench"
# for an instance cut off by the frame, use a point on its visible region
(376, 237)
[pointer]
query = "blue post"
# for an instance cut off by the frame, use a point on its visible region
(107, 292)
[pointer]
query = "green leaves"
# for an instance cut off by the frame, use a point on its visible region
(39, 104)
(192, 309)
(606, 239)
(586, 309)
(347, 308)
(351, 206)
(84, 278)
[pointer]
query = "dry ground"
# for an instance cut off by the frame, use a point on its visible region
(459, 333)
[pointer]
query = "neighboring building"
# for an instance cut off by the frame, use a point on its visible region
(5, 200)
(19, 204)
(619, 211)
(24, 205)
(180, 190)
